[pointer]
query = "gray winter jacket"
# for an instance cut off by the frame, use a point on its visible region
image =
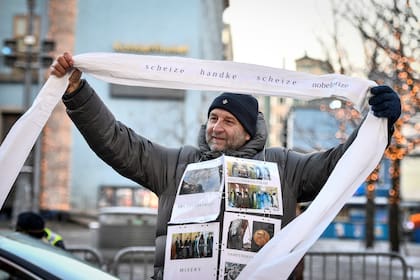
(160, 169)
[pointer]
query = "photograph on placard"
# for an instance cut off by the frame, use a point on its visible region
(253, 198)
(232, 270)
(203, 180)
(252, 186)
(199, 193)
(243, 236)
(192, 245)
(251, 169)
(192, 251)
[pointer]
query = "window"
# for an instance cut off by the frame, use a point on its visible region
(7, 120)
(20, 29)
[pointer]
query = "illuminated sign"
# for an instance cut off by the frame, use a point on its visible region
(156, 48)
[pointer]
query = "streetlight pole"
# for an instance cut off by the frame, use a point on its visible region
(29, 41)
(24, 198)
(36, 158)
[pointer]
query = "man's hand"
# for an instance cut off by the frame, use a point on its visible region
(385, 103)
(62, 65)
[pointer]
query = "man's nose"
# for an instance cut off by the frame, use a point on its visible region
(218, 126)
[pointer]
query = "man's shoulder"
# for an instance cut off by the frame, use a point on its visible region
(189, 153)
(189, 149)
(271, 154)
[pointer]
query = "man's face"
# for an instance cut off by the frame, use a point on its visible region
(224, 131)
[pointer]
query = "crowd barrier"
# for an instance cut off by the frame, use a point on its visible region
(136, 263)
(131, 262)
(356, 265)
(89, 254)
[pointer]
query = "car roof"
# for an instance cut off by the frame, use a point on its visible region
(39, 257)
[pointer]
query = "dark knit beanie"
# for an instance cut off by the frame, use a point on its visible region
(243, 106)
(30, 222)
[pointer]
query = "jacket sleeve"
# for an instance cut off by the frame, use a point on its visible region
(130, 154)
(307, 173)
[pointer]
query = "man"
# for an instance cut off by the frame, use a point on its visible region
(33, 225)
(234, 127)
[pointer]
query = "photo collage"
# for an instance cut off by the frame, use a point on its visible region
(252, 193)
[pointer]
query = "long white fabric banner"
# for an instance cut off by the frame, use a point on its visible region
(283, 252)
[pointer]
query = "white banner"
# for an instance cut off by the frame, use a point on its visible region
(188, 73)
(22, 136)
(283, 252)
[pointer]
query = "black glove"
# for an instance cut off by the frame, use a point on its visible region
(385, 103)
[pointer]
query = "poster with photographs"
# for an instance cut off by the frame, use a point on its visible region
(199, 193)
(192, 252)
(253, 186)
(243, 236)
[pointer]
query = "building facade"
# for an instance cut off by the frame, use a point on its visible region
(70, 174)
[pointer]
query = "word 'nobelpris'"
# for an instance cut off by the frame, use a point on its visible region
(332, 84)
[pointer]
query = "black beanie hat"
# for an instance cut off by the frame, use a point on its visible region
(30, 222)
(243, 106)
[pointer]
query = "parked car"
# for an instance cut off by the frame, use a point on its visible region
(126, 212)
(134, 226)
(24, 257)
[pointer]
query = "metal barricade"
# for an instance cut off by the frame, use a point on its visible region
(88, 254)
(133, 262)
(355, 265)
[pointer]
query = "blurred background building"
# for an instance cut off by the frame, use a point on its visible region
(62, 175)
